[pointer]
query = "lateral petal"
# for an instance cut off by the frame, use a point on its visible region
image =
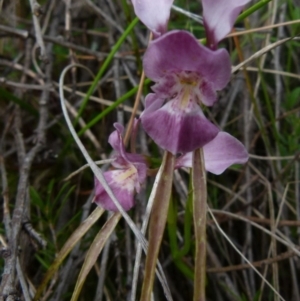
(222, 152)
(154, 14)
(219, 17)
(219, 154)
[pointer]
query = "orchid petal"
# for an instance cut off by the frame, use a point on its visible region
(115, 138)
(185, 160)
(117, 142)
(121, 185)
(222, 152)
(154, 14)
(176, 130)
(179, 51)
(219, 154)
(219, 17)
(152, 103)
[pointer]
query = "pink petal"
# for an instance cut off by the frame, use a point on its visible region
(222, 152)
(219, 154)
(184, 160)
(124, 159)
(176, 130)
(154, 14)
(115, 139)
(179, 51)
(166, 86)
(152, 103)
(219, 17)
(138, 161)
(123, 190)
(208, 95)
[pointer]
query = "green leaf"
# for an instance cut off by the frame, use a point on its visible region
(293, 98)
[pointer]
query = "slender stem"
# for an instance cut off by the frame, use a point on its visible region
(251, 10)
(199, 212)
(135, 107)
(104, 66)
(136, 103)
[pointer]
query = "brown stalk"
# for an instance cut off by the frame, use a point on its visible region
(199, 211)
(157, 223)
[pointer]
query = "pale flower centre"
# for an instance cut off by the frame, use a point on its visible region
(188, 84)
(126, 174)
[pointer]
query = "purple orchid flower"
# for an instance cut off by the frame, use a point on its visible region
(129, 175)
(186, 75)
(154, 14)
(219, 154)
(219, 17)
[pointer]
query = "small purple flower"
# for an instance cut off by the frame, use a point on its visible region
(219, 154)
(129, 175)
(219, 17)
(186, 75)
(154, 14)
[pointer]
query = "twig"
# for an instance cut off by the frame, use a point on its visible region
(263, 28)
(34, 234)
(85, 167)
(260, 220)
(98, 100)
(18, 32)
(23, 281)
(6, 212)
(241, 254)
(136, 102)
(259, 263)
(290, 245)
(35, 9)
(60, 41)
(18, 85)
(25, 70)
(98, 11)
(8, 283)
(261, 52)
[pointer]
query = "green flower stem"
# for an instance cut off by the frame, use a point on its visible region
(158, 222)
(111, 108)
(101, 115)
(177, 253)
(135, 45)
(199, 213)
(104, 67)
(251, 10)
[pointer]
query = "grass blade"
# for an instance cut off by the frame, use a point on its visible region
(67, 248)
(94, 251)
